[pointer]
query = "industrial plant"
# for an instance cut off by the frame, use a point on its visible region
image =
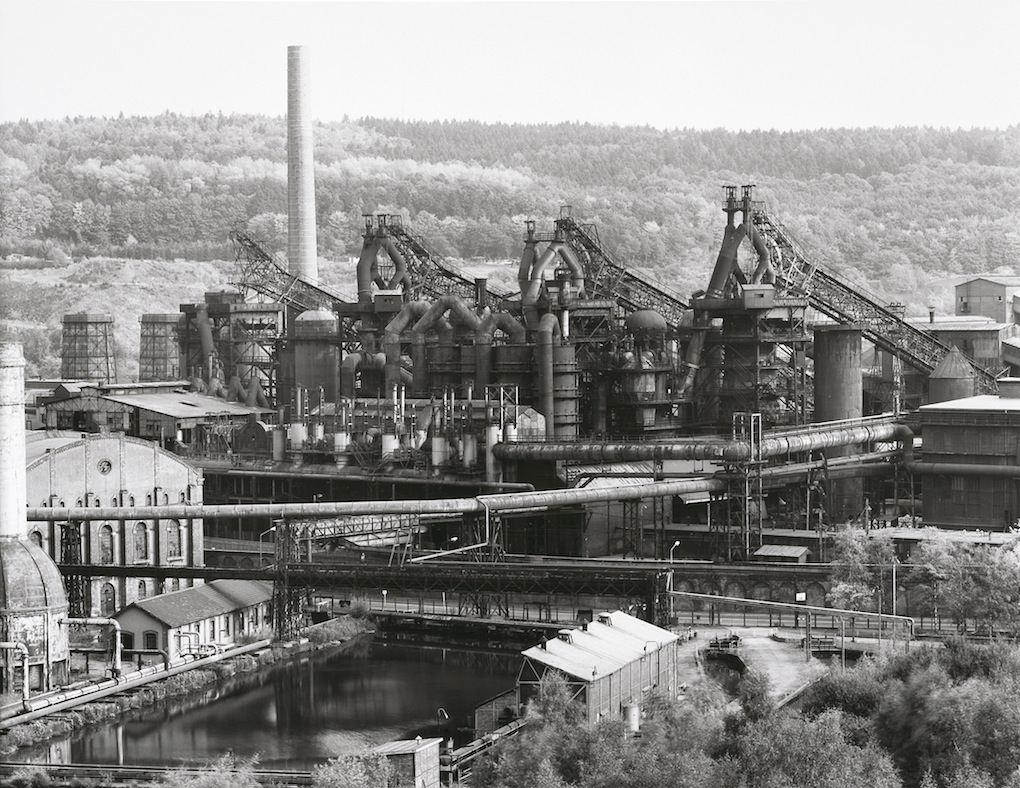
(589, 412)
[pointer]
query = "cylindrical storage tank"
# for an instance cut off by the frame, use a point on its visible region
(440, 451)
(341, 440)
(469, 450)
(279, 444)
(565, 394)
(390, 444)
(838, 382)
(491, 465)
(839, 395)
(510, 433)
(316, 354)
(159, 348)
(86, 348)
(318, 431)
(297, 434)
(953, 378)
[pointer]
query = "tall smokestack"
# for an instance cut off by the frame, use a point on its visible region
(301, 256)
(13, 522)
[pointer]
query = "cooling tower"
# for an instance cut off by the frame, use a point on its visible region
(301, 255)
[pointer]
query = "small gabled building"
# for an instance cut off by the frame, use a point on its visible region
(610, 663)
(196, 619)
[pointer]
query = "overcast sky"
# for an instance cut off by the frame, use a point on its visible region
(760, 64)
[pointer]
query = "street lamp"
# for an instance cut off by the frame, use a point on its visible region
(267, 531)
(676, 544)
(384, 599)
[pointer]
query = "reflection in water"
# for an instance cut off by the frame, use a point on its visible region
(317, 709)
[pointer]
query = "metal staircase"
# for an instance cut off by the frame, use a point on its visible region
(796, 276)
(605, 278)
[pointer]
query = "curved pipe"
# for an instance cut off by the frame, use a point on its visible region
(104, 622)
(568, 256)
(25, 687)
(391, 339)
(726, 261)
(484, 335)
(765, 271)
(400, 275)
(349, 370)
(366, 264)
(547, 327)
(527, 261)
(532, 289)
(448, 303)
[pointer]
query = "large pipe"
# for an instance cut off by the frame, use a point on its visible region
(302, 259)
(765, 272)
(514, 501)
(533, 287)
(400, 275)
(349, 370)
(13, 489)
(484, 335)
(547, 328)
(22, 649)
(205, 339)
(447, 303)
(527, 258)
(706, 449)
(366, 264)
(391, 338)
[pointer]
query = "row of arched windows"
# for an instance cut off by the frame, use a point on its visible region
(108, 595)
(129, 500)
(141, 541)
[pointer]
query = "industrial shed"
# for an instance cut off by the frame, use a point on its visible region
(610, 663)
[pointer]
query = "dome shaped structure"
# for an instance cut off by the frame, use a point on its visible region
(29, 580)
(645, 320)
(33, 604)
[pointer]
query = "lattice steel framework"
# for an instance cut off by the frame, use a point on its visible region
(159, 349)
(796, 276)
(86, 348)
(77, 586)
(432, 276)
(605, 278)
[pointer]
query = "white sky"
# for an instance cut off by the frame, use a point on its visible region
(758, 64)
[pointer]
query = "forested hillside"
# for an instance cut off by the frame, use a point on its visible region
(899, 211)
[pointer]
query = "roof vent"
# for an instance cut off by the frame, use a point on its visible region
(605, 618)
(566, 635)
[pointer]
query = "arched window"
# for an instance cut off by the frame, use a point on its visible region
(182, 499)
(105, 545)
(175, 584)
(108, 600)
(166, 499)
(148, 499)
(131, 500)
(141, 542)
(142, 590)
(173, 539)
(36, 538)
(115, 502)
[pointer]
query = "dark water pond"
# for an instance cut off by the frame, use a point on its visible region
(307, 712)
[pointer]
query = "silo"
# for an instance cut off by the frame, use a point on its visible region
(32, 598)
(953, 378)
(301, 249)
(838, 383)
(86, 348)
(159, 348)
(839, 394)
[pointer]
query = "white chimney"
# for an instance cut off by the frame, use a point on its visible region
(301, 250)
(13, 522)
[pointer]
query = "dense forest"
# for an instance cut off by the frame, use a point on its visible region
(898, 211)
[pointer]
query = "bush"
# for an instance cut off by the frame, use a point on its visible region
(29, 777)
(343, 628)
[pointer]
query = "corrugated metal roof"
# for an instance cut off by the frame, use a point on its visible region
(184, 405)
(601, 647)
(406, 746)
(201, 602)
(782, 550)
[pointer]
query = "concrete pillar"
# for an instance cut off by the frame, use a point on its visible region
(13, 490)
(301, 251)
